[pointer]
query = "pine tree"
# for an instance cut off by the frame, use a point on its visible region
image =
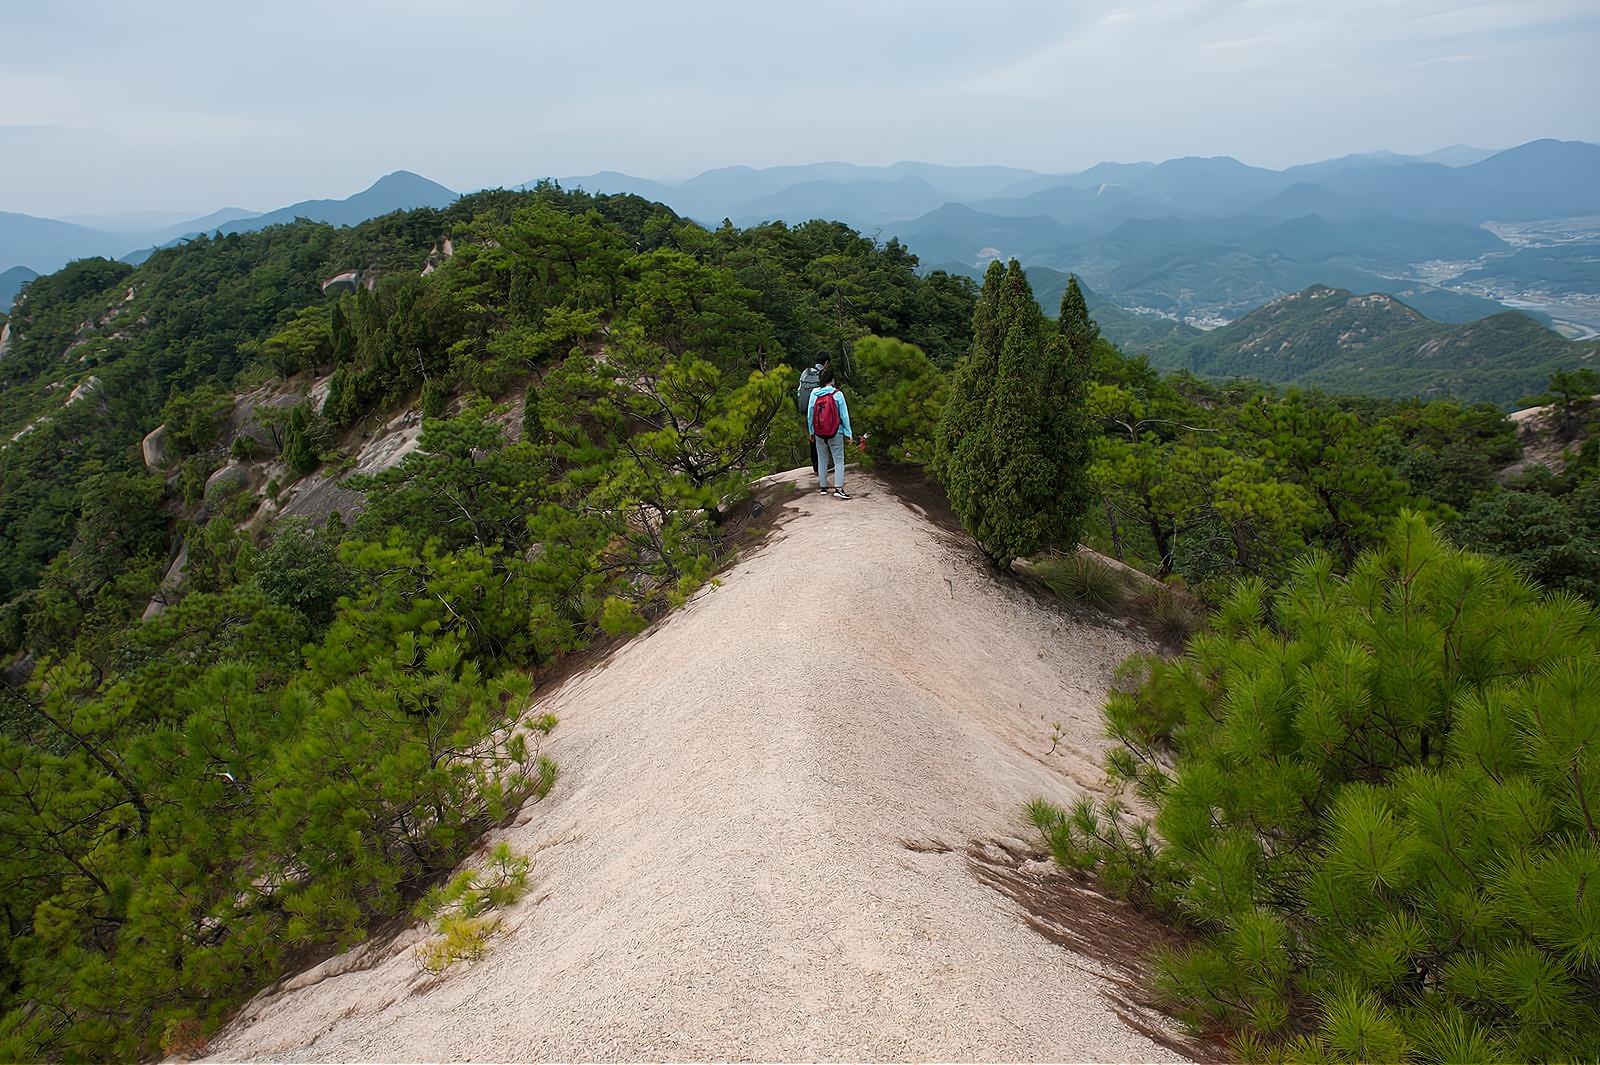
(532, 418)
(299, 455)
(1375, 800)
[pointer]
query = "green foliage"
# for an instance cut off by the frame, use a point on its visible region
(1331, 454)
(313, 723)
(1013, 444)
(305, 343)
(300, 569)
(299, 442)
(1554, 539)
(901, 396)
(461, 911)
(1374, 801)
(194, 419)
(1569, 390)
(1452, 453)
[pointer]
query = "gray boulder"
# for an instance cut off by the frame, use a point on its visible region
(232, 478)
(157, 456)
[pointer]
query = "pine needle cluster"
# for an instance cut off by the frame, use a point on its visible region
(1378, 801)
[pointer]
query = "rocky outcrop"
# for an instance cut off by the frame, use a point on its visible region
(5, 339)
(339, 284)
(349, 281)
(170, 583)
(90, 386)
(157, 456)
(234, 477)
(442, 249)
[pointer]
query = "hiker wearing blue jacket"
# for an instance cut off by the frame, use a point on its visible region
(828, 422)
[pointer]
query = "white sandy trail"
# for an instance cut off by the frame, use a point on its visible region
(721, 871)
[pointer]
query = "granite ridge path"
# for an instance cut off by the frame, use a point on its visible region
(758, 845)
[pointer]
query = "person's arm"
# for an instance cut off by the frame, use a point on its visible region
(811, 405)
(844, 416)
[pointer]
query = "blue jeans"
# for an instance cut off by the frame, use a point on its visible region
(835, 449)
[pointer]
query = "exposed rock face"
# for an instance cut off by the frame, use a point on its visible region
(320, 494)
(5, 339)
(339, 284)
(169, 583)
(89, 387)
(442, 249)
(225, 482)
(18, 670)
(397, 439)
(157, 457)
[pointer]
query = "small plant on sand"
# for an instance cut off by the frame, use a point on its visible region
(1084, 579)
(461, 911)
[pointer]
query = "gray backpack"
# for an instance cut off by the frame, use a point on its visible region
(810, 381)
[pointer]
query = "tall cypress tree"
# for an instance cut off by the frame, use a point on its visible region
(1069, 431)
(1076, 325)
(1012, 445)
(974, 378)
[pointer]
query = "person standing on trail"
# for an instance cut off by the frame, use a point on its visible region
(810, 380)
(828, 422)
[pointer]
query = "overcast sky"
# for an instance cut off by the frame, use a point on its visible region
(178, 105)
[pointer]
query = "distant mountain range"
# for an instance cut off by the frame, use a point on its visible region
(45, 244)
(1204, 238)
(1334, 339)
(1201, 240)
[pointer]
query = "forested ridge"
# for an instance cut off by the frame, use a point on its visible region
(208, 782)
(325, 717)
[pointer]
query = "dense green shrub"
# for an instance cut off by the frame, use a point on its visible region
(901, 396)
(1553, 538)
(1376, 800)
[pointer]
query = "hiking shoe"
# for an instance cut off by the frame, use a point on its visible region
(840, 493)
(822, 491)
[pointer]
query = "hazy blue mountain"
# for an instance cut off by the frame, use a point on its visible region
(11, 282)
(863, 204)
(721, 193)
(1541, 179)
(1111, 193)
(145, 224)
(612, 181)
(46, 245)
(136, 222)
(204, 224)
(1097, 208)
(1217, 186)
(760, 192)
(963, 182)
(1457, 155)
(964, 238)
(398, 191)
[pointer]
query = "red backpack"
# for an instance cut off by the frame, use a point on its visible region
(825, 415)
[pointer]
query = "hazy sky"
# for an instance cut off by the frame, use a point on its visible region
(186, 106)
